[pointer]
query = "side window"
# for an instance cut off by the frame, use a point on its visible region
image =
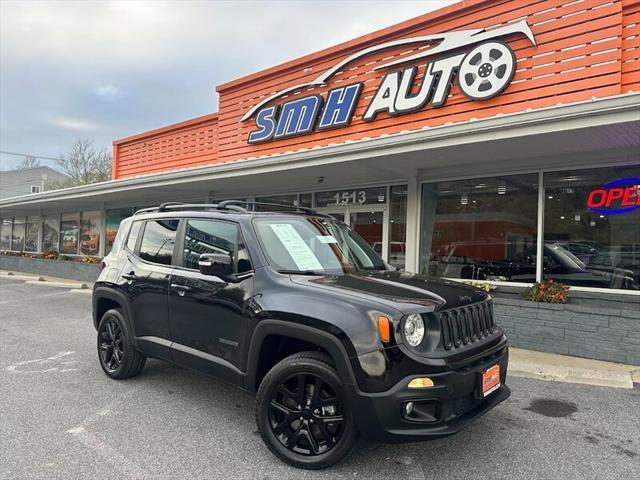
(158, 239)
(207, 236)
(213, 236)
(133, 235)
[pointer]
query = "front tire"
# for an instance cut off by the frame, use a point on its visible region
(302, 413)
(118, 357)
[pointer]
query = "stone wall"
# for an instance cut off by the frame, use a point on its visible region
(589, 326)
(84, 272)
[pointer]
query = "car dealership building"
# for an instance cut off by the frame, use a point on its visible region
(489, 141)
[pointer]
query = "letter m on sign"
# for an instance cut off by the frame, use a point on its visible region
(298, 116)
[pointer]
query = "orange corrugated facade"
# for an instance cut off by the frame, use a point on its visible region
(584, 49)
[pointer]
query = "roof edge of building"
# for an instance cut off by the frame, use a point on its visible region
(434, 137)
(173, 126)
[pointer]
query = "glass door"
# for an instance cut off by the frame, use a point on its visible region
(370, 223)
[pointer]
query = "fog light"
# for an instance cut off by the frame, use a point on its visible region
(423, 382)
(408, 408)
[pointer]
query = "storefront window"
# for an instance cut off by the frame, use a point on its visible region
(306, 200)
(356, 196)
(481, 229)
(17, 237)
(114, 217)
(279, 199)
(69, 228)
(32, 235)
(90, 233)
(50, 233)
(5, 233)
(397, 226)
(592, 227)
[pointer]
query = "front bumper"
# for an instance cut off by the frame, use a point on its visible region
(450, 405)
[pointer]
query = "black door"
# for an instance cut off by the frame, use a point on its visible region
(147, 275)
(209, 316)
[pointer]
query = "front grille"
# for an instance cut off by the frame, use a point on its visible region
(468, 324)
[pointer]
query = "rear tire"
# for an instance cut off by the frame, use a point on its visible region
(117, 355)
(302, 413)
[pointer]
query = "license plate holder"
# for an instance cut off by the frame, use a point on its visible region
(490, 380)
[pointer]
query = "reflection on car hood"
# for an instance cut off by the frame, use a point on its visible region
(399, 288)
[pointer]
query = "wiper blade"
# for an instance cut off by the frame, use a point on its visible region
(301, 272)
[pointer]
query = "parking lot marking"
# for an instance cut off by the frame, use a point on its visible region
(126, 467)
(413, 470)
(51, 364)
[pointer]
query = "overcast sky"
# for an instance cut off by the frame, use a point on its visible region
(106, 70)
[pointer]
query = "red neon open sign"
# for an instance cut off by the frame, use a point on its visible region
(619, 196)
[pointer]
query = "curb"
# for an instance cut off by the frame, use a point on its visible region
(561, 368)
(42, 281)
(83, 291)
(573, 375)
(12, 276)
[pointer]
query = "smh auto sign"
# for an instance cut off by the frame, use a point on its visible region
(482, 66)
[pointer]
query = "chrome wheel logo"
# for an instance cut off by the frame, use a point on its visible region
(487, 70)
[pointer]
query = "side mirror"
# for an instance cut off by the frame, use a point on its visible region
(217, 264)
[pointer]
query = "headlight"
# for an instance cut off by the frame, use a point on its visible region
(414, 329)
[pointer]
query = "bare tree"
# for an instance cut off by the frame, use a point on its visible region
(29, 161)
(85, 163)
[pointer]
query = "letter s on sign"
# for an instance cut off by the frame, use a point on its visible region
(266, 123)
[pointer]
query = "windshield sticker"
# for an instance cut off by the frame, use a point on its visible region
(326, 239)
(293, 242)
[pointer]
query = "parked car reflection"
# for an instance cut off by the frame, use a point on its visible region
(559, 264)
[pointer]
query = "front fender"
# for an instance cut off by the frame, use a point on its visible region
(328, 337)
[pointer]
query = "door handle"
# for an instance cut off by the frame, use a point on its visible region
(181, 289)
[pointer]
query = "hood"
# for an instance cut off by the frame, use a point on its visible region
(399, 289)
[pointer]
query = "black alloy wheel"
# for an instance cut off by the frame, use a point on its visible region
(303, 414)
(111, 345)
(118, 357)
(306, 414)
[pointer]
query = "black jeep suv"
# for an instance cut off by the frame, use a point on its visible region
(295, 306)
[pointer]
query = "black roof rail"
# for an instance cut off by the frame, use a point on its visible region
(226, 205)
(170, 206)
(229, 203)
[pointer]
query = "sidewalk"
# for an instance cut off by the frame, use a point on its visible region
(522, 363)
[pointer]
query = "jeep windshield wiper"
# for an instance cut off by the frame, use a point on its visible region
(301, 272)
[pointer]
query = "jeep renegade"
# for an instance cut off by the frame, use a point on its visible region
(297, 308)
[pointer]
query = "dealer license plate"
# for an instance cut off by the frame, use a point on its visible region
(490, 380)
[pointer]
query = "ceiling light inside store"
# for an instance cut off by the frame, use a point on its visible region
(502, 188)
(464, 199)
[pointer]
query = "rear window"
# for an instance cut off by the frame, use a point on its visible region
(158, 240)
(120, 236)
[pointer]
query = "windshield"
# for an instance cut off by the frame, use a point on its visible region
(314, 245)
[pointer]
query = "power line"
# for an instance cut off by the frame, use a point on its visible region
(28, 155)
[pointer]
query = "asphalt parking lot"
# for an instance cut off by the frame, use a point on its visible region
(62, 418)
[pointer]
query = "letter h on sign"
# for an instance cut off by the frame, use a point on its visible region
(339, 106)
